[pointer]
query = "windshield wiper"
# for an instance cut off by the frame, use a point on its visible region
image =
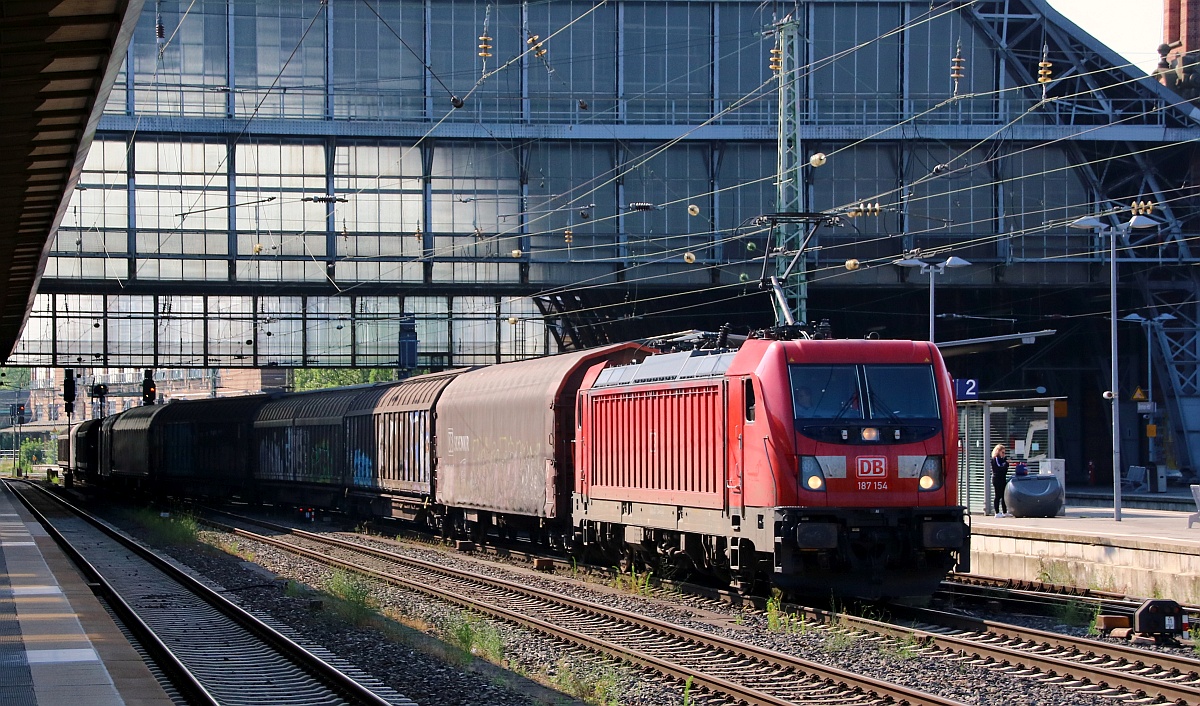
(846, 406)
(877, 402)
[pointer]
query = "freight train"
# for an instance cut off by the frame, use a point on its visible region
(820, 467)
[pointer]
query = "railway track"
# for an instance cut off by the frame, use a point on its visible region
(212, 651)
(733, 670)
(1037, 594)
(1104, 668)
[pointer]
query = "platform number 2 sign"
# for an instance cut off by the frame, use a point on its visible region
(966, 389)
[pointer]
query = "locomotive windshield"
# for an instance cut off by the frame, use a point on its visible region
(879, 392)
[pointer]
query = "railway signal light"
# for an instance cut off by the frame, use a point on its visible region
(68, 385)
(20, 414)
(149, 392)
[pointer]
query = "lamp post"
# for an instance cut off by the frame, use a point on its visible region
(928, 268)
(1113, 396)
(1148, 325)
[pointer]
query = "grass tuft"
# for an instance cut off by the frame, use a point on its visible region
(1076, 613)
(594, 685)
(168, 528)
(476, 637)
(353, 596)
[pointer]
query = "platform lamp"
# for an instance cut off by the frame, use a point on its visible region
(1112, 395)
(1148, 325)
(928, 268)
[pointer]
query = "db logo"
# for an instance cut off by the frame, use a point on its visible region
(872, 467)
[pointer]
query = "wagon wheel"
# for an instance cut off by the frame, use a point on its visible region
(628, 562)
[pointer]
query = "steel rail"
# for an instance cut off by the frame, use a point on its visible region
(1109, 600)
(333, 678)
(1107, 671)
(1078, 645)
(178, 674)
(1112, 671)
(856, 684)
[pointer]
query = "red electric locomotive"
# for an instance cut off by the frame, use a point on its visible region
(822, 466)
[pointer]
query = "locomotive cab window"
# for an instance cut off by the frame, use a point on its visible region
(748, 386)
(901, 392)
(826, 392)
(857, 392)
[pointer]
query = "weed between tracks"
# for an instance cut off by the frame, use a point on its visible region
(779, 620)
(638, 584)
(475, 636)
(594, 685)
(174, 528)
(905, 649)
(235, 548)
(351, 595)
(1078, 614)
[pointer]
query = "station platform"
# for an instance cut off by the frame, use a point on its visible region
(58, 646)
(1149, 553)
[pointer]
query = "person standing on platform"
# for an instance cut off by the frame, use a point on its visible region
(999, 480)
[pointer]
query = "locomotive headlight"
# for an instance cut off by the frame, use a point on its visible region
(870, 434)
(932, 475)
(812, 478)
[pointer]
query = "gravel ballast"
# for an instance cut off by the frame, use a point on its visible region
(413, 650)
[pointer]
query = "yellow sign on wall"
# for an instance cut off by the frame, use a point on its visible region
(1138, 395)
(1151, 430)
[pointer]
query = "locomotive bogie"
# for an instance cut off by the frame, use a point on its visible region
(869, 552)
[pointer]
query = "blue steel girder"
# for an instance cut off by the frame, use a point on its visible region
(1120, 98)
(1178, 343)
(197, 128)
(1095, 88)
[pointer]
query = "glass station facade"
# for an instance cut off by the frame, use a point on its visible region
(279, 183)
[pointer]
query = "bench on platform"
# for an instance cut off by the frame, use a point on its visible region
(1136, 480)
(1195, 516)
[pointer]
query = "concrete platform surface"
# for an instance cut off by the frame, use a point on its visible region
(1148, 554)
(58, 646)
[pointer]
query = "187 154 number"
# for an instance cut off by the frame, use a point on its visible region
(872, 485)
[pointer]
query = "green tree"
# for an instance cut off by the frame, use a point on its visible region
(321, 378)
(37, 451)
(14, 378)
